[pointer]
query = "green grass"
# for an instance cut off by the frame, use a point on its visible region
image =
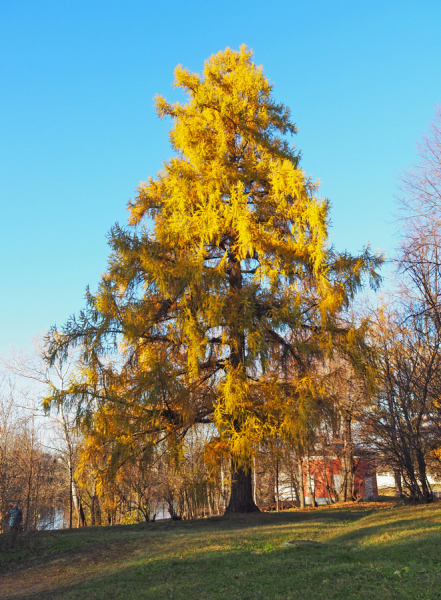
(375, 551)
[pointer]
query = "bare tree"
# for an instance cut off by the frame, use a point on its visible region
(420, 198)
(403, 413)
(29, 475)
(419, 256)
(64, 437)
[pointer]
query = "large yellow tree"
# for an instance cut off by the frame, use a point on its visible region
(222, 292)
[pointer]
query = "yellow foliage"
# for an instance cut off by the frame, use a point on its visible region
(223, 295)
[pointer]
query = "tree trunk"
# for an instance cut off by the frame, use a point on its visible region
(425, 486)
(326, 481)
(347, 462)
(241, 493)
(95, 513)
(408, 470)
(82, 518)
(241, 497)
(70, 495)
(254, 481)
(223, 489)
(301, 484)
(398, 486)
(295, 493)
(77, 504)
(310, 489)
(97, 510)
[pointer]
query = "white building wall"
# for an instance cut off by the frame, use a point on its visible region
(387, 480)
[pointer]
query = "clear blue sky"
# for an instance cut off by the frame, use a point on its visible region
(79, 132)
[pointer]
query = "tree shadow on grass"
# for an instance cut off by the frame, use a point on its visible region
(398, 569)
(256, 519)
(37, 548)
(395, 529)
(30, 549)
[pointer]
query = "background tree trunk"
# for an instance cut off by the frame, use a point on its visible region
(347, 461)
(301, 484)
(309, 485)
(398, 485)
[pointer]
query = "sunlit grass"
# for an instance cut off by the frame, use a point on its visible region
(376, 551)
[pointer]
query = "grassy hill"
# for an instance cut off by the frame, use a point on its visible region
(368, 551)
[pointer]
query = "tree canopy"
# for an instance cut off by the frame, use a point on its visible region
(222, 294)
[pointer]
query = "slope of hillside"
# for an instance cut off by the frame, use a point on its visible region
(365, 551)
